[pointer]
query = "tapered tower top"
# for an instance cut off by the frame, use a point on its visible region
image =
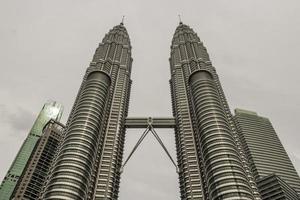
(186, 46)
(183, 33)
(115, 47)
(117, 34)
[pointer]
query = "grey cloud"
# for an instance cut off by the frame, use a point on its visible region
(19, 119)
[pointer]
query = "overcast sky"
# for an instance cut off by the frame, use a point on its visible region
(45, 47)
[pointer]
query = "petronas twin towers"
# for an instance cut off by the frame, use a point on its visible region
(212, 161)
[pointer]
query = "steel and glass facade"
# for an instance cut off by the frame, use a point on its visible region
(89, 160)
(264, 149)
(210, 156)
(51, 110)
(33, 179)
(272, 187)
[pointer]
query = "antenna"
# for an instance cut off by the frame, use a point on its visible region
(179, 16)
(123, 17)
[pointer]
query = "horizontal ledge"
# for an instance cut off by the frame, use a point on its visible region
(144, 122)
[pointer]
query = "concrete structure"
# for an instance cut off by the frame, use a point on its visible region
(33, 179)
(51, 110)
(264, 150)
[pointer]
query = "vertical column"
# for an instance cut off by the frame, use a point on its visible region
(71, 175)
(224, 173)
(107, 186)
(188, 163)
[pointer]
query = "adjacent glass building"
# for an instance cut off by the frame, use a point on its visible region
(272, 187)
(34, 176)
(264, 149)
(51, 110)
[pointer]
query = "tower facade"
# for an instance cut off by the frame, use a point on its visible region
(51, 110)
(272, 187)
(34, 176)
(210, 156)
(264, 150)
(90, 157)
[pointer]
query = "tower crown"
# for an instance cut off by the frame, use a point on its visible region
(183, 29)
(117, 34)
(187, 47)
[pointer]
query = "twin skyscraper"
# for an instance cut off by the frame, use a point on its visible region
(219, 155)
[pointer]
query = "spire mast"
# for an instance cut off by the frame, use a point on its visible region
(179, 17)
(122, 22)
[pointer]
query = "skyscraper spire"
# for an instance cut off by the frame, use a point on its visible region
(179, 17)
(87, 167)
(208, 149)
(122, 22)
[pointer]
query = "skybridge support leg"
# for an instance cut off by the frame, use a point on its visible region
(140, 122)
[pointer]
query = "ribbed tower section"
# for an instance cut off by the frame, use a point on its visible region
(89, 160)
(114, 55)
(210, 156)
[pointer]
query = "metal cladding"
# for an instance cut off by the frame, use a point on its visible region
(115, 49)
(191, 186)
(266, 154)
(89, 161)
(224, 172)
(210, 156)
(272, 187)
(71, 176)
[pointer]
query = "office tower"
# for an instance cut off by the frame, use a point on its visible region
(264, 149)
(89, 160)
(272, 187)
(32, 180)
(210, 156)
(51, 110)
